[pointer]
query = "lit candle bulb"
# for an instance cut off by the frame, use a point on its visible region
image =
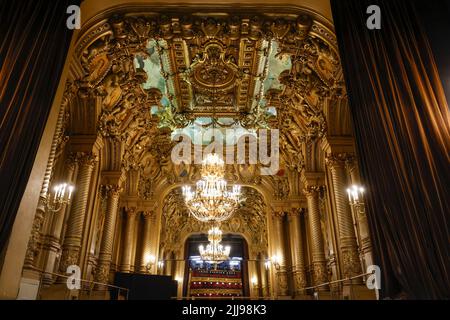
(355, 193)
(59, 191)
(70, 192)
(63, 192)
(55, 190)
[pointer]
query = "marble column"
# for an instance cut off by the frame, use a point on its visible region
(297, 252)
(106, 245)
(135, 265)
(351, 265)
(55, 240)
(146, 242)
(127, 255)
(168, 264)
(320, 274)
(263, 270)
(254, 278)
(72, 241)
(280, 252)
(179, 271)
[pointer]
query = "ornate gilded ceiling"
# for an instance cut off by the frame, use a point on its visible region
(156, 73)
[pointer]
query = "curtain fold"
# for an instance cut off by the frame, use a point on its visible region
(402, 131)
(34, 41)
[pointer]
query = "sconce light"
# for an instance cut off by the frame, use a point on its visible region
(276, 259)
(355, 198)
(178, 280)
(160, 264)
(149, 262)
(355, 194)
(267, 264)
(254, 281)
(62, 195)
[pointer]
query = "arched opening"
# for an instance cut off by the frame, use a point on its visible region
(139, 80)
(226, 279)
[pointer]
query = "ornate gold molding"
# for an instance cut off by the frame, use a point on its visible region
(249, 221)
(338, 159)
(107, 51)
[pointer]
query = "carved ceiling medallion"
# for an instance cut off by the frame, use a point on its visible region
(213, 70)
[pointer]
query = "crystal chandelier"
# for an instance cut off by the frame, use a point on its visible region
(214, 252)
(213, 200)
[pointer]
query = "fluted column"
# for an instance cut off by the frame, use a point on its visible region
(128, 240)
(320, 274)
(297, 252)
(347, 239)
(72, 241)
(55, 241)
(106, 245)
(282, 279)
(146, 241)
(33, 249)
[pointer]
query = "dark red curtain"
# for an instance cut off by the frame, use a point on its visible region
(34, 41)
(402, 129)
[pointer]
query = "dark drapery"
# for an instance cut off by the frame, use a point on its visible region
(402, 130)
(34, 41)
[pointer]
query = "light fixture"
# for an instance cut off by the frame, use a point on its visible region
(214, 251)
(213, 200)
(355, 194)
(254, 281)
(149, 261)
(178, 279)
(62, 194)
(160, 264)
(276, 260)
(267, 264)
(355, 198)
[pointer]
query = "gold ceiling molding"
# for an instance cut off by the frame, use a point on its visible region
(198, 42)
(250, 221)
(323, 27)
(158, 176)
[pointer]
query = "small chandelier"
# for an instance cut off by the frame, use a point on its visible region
(214, 252)
(62, 194)
(213, 200)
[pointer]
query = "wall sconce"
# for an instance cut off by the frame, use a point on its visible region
(355, 194)
(149, 262)
(276, 259)
(254, 281)
(62, 194)
(178, 280)
(355, 198)
(267, 264)
(160, 264)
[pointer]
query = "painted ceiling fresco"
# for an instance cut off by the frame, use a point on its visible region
(219, 82)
